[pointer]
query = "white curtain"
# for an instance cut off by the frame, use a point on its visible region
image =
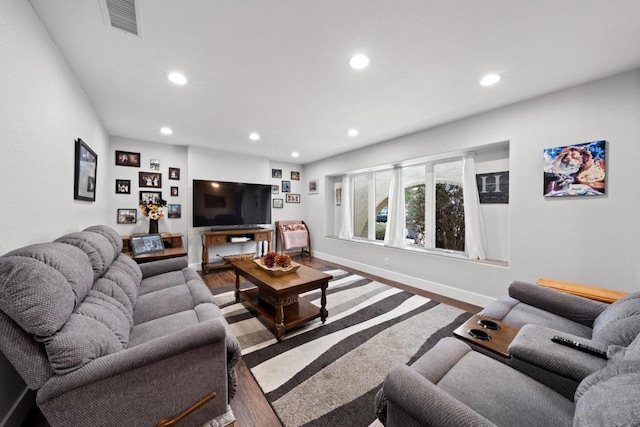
(394, 235)
(346, 225)
(474, 235)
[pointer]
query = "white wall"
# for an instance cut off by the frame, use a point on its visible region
(586, 240)
(43, 110)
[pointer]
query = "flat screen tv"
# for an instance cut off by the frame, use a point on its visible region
(222, 205)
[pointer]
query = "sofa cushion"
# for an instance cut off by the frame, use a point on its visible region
(40, 285)
(96, 246)
(128, 283)
(98, 327)
(610, 397)
(112, 290)
(171, 300)
(110, 234)
(129, 266)
(161, 281)
(619, 323)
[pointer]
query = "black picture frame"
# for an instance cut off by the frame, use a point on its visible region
(286, 186)
(175, 191)
(277, 203)
(276, 173)
(293, 198)
(149, 179)
(127, 158)
(295, 176)
(150, 196)
(123, 186)
(174, 173)
(174, 211)
(127, 216)
(85, 172)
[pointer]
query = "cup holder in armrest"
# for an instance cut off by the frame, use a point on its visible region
(479, 334)
(489, 324)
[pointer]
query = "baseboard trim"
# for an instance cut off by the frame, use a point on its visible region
(426, 285)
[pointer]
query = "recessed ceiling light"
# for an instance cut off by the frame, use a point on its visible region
(254, 136)
(353, 132)
(166, 131)
(295, 154)
(490, 79)
(177, 78)
(359, 61)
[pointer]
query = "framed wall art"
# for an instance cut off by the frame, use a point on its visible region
(86, 170)
(278, 203)
(276, 173)
(295, 176)
(127, 158)
(313, 186)
(575, 170)
(123, 186)
(275, 189)
(150, 196)
(150, 179)
(127, 216)
(174, 211)
(174, 173)
(174, 191)
(293, 198)
(154, 164)
(286, 186)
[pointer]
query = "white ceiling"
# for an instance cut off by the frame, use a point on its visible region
(280, 67)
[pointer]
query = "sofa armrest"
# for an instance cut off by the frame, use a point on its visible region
(115, 364)
(533, 345)
(572, 307)
(154, 268)
(418, 397)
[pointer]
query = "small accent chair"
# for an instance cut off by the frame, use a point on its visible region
(293, 234)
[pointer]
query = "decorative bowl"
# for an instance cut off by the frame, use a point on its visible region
(277, 271)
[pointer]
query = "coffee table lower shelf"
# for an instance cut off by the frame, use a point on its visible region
(294, 315)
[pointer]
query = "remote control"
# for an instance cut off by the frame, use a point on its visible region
(579, 346)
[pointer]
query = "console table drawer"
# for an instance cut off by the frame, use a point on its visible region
(261, 237)
(216, 240)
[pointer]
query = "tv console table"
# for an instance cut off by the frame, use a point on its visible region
(224, 237)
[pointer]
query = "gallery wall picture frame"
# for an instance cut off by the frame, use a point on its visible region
(575, 170)
(123, 186)
(295, 176)
(313, 186)
(85, 172)
(174, 173)
(127, 216)
(286, 186)
(154, 164)
(127, 158)
(150, 179)
(174, 191)
(174, 211)
(150, 196)
(278, 203)
(276, 173)
(275, 189)
(293, 198)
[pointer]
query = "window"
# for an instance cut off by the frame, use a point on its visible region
(434, 205)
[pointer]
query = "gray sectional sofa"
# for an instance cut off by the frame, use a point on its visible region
(105, 341)
(542, 383)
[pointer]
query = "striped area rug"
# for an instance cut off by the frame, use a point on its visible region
(328, 375)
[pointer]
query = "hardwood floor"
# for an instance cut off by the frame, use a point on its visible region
(249, 404)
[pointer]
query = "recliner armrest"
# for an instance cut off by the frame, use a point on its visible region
(425, 402)
(154, 268)
(533, 345)
(112, 365)
(578, 309)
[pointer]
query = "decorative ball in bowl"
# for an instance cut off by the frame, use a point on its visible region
(277, 264)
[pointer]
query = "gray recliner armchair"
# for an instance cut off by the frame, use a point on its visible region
(452, 385)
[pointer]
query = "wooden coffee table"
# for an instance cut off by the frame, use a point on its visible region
(275, 298)
(498, 339)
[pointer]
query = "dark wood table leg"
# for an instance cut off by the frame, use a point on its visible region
(280, 320)
(237, 292)
(323, 303)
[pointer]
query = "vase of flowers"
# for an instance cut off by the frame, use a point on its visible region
(154, 211)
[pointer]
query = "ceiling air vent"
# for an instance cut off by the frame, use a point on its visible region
(123, 15)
